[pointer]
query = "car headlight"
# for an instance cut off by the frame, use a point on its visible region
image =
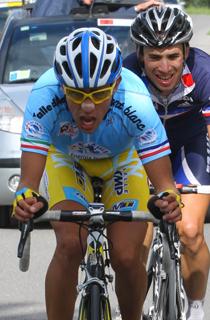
(11, 117)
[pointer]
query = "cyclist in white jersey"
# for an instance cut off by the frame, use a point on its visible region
(178, 78)
(90, 117)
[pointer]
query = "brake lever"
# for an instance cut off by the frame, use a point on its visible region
(25, 228)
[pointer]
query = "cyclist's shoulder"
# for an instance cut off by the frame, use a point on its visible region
(131, 84)
(46, 81)
(198, 61)
(46, 95)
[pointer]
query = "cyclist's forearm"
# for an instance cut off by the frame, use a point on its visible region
(160, 174)
(32, 167)
(208, 130)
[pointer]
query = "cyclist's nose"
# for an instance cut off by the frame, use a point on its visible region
(165, 65)
(88, 105)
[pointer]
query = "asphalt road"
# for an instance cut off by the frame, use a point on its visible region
(22, 294)
(201, 27)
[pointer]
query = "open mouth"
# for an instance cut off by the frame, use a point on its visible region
(164, 80)
(87, 123)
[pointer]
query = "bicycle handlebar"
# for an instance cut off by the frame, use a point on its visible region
(85, 215)
(185, 189)
(75, 216)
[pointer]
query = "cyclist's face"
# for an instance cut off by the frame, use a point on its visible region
(163, 66)
(87, 114)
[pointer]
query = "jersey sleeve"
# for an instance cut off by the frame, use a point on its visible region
(44, 104)
(35, 135)
(200, 62)
(39, 117)
(204, 95)
(152, 143)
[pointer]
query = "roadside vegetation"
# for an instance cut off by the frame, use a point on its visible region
(197, 10)
(197, 6)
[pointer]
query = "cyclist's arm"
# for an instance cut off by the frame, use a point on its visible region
(160, 174)
(32, 167)
(208, 130)
(146, 5)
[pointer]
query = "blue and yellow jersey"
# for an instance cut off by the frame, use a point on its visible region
(131, 122)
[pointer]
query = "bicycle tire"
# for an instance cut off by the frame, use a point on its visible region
(174, 290)
(95, 307)
(170, 290)
(91, 309)
(167, 285)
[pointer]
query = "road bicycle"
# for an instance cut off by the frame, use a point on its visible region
(93, 291)
(168, 301)
(164, 271)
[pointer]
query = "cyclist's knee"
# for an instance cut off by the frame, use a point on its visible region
(191, 238)
(68, 250)
(125, 260)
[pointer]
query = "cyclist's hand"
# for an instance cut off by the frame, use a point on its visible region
(87, 2)
(27, 204)
(26, 209)
(170, 208)
(146, 5)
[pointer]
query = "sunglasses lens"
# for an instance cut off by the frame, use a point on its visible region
(100, 96)
(77, 96)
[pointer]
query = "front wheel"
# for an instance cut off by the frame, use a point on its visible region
(94, 306)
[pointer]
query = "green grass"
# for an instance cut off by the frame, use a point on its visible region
(197, 10)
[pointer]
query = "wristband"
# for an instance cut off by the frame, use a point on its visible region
(167, 192)
(25, 193)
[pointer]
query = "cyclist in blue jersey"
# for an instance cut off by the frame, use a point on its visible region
(178, 79)
(89, 117)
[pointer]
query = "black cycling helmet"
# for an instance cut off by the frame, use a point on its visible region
(161, 26)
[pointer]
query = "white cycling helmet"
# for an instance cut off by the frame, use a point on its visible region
(161, 27)
(87, 58)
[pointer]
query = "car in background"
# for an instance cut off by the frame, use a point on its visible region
(6, 8)
(26, 51)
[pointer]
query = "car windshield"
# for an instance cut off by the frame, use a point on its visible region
(32, 47)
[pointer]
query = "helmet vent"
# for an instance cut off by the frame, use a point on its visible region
(105, 68)
(110, 48)
(95, 43)
(66, 68)
(78, 64)
(63, 50)
(93, 63)
(76, 43)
